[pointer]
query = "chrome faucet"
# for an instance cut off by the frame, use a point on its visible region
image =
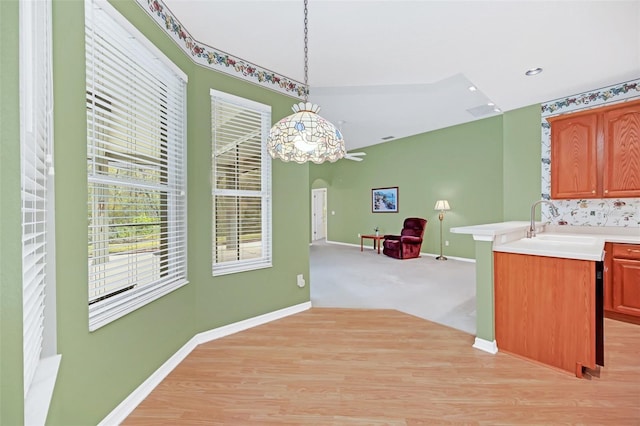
(532, 227)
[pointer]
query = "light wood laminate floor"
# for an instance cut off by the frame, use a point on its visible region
(331, 366)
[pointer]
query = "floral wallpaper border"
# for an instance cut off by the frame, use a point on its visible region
(620, 212)
(619, 92)
(215, 59)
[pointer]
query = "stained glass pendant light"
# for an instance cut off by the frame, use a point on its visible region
(305, 136)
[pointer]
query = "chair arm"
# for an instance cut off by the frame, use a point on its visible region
(408, 239)
(392, 237)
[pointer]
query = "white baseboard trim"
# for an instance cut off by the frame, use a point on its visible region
(227, 330)
(485, 345)
(340, 243)
(462, 259)
(126, 407)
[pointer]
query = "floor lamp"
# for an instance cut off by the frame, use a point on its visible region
(441, 205)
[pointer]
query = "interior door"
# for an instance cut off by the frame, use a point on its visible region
(318, 214)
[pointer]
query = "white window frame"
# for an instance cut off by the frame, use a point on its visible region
(40, 359)
(136, 144)
(220, 100)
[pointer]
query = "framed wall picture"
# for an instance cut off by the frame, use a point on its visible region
(384, 200)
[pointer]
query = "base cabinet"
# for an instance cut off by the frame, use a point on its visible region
(546, 310)
(623, 269)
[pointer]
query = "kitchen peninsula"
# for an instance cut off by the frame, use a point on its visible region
(526, 285)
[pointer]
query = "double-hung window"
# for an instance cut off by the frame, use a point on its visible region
(241, 184)
(40, 361)
(136, 153)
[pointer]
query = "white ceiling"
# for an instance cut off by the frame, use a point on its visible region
(397, 68)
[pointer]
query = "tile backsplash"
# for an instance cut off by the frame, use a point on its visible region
(622, 212)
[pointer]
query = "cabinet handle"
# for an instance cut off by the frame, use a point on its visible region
(633, 251)
(606, 191)
(593, 191)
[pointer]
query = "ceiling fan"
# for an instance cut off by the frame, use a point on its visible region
(355, 156)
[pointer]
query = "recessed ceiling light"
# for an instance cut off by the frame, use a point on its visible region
(496, 109)
(533, 71)
(490, 103)
(472, 88)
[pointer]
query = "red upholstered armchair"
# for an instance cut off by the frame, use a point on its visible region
(406, 245)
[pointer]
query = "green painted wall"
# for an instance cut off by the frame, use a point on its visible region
(11, 387)
(100, 369)
(256, 292)
(463, 164)
(492, 161)
(485, 318)
(522, 168)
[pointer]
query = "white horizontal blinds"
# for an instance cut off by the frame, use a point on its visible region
(136, 169)
(36, 143)
(241, 184)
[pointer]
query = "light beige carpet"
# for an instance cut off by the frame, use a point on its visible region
(439, 291)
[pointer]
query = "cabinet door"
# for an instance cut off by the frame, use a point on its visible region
(574, 157)
(626, 286)
(621, 176)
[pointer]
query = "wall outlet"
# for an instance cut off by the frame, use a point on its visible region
(300, 280)
(446, 243)
(358, 235)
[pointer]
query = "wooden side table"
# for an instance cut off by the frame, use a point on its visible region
(376, 241)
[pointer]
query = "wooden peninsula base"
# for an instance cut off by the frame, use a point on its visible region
(549, 310)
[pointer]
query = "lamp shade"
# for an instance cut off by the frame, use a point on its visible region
(305, 136)
(442, 205)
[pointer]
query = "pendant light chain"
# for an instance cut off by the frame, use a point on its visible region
(306, 52)
(304, 136)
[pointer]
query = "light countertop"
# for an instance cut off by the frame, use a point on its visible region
(492, 229)
(570, 242)
(565, 246)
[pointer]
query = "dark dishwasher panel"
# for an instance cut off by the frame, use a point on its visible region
(599, 313)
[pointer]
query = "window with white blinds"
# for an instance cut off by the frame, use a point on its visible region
(36, 157)
(136, 153)
(241, 184)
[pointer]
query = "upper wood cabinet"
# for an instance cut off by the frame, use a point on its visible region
(574, 156)
(622, 151)
(596, 153)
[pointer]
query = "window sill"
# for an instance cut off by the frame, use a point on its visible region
(241, 267)
(36, 404)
